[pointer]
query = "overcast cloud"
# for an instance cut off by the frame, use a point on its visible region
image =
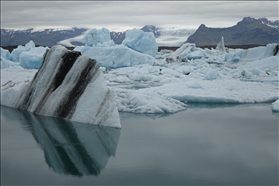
(131, 14)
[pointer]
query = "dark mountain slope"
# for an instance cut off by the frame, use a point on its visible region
(47, 37)
(249, 31)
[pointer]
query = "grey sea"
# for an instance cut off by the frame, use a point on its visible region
(207, 144)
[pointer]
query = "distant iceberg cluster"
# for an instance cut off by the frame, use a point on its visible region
(145, 80)
(28, 56)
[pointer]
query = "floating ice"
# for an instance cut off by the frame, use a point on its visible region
(7, 63)
(16, 52)
(189, 51)
(251, 54)
(218, 91)
(144, 84)
(211, 75)
(147, 103)
(275, 106)
(221, 45)
(68, 86)
(116, 56)
(5, 54)
(98, 37)
(144, 42)
(33, 58)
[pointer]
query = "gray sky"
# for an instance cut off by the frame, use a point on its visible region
(132, 14)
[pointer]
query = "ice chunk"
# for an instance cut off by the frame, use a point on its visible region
(218, 91)
(195, 55)
(7, 63)
(98, 37)
(5, 54)
(33, 58)
(211, 75)
(275, 106)
(64, 87)
(232, 57)
(221, 45)
(144, 42)
(189, 51)
(251, 54)
(256, 71)
(16, 52)
(116, 56)
(147, 103)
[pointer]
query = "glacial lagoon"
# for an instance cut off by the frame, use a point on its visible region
(207, 144)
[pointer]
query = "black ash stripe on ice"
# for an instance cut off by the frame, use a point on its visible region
(68, 103)
(67, 63)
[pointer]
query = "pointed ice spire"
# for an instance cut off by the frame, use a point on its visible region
(221, 45)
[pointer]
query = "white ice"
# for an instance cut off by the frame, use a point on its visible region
(167, 82)
(96, 104)
(27, 56)
(116, 56)
(16, 52)
(143, 42)
(5, 54)
(98, 37)
(33, 58)
(275, 106)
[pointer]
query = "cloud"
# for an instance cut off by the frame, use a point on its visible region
(132, 14)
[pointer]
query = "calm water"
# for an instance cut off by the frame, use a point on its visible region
(204, 145)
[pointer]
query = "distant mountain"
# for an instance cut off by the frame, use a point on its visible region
(151, 28)
(249, 31)
(117, 37)
(50, 37)
(46, 37)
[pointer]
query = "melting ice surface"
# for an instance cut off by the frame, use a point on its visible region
(165, 83)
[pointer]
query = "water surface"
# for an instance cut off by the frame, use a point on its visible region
(204, 145)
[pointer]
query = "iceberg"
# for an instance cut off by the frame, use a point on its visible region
(188, 51)
(275, 106)
(98, 37)
(16, 52)
(217, 91)
(5, 63)
(5, 54)
(116, 56)
(221, 45)
(251, 54)
(33, 58)
(143, 42)
(164, 84)
(68, 86)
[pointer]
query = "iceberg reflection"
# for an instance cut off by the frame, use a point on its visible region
(69, 147)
